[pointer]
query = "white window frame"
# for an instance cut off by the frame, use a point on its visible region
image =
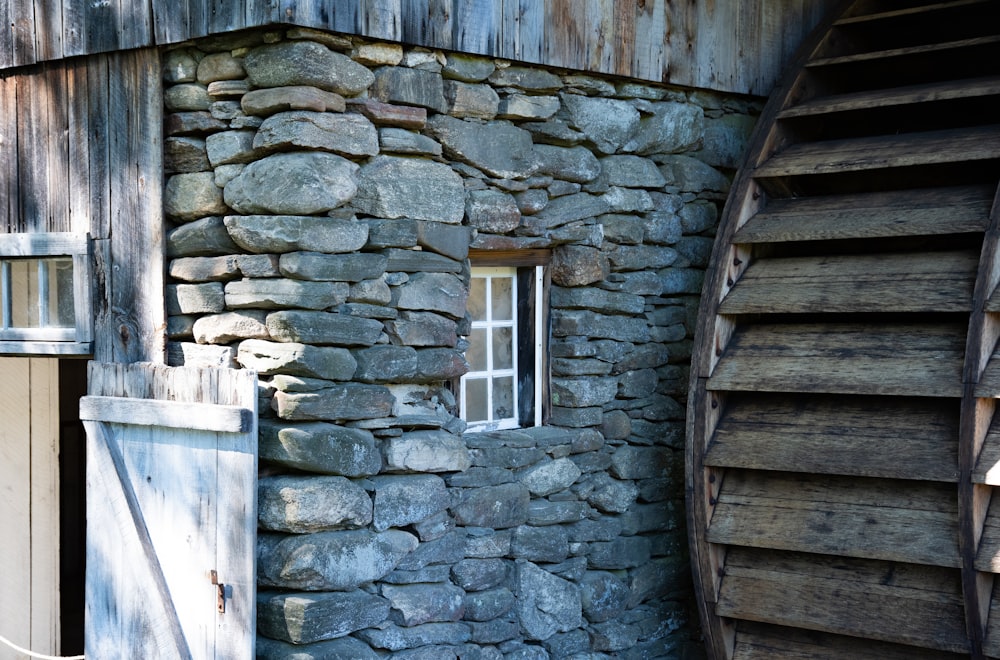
(489, 324)
(76, 340)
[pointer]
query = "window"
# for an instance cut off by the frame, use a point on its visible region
(506, 382)
(45, 294)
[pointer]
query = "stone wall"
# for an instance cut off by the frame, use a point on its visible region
(323, 194)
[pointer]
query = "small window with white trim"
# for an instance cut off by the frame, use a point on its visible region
(45, 301)
(506, 382)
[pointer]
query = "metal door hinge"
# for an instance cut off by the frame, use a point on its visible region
(220, 593)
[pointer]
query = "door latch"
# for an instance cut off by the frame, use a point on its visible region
(220, 593)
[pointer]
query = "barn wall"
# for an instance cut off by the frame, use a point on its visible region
(81, 151)
(326, 248)
(727, 46)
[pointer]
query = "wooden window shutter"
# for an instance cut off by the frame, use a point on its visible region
(171, 511)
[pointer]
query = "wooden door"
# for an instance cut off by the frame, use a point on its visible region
(171, 511)
(29, 504)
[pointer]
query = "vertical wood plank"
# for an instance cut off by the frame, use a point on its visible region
(15, 471)
(43, 386)
(225, 16)
(78, 146)
(565, 37)
(523, 31)
(428, 22)
(98, 145)
(10, 209)
(101, 25)
(680, 64)
(477, 26)
(170, 21)
(198, 18)
(48, 30)
(22, 25)
(57, 174)
(6, 36)
(649, 59)
(382, 20)
(32, 155)
(136, 22)
(261, 12)
(74, 26)
(347, 16)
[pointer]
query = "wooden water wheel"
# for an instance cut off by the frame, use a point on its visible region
(842, 442)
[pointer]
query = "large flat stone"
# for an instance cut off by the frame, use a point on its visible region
(398, 187)
(269, 357)
(426, 451)
(348, 401)
(402, 500)
(304, 505)
(323, 328)
(288, 233)
(346, 134)
(320, 447)
(498, 147)
(306, 63)
(280, 293)
(303, 618)
(294, 183)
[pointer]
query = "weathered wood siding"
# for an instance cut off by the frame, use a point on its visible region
(728, 45)
(81, 151)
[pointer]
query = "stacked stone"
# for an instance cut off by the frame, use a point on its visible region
(323, 194)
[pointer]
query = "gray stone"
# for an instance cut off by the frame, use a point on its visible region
(346, 134)
(229, 147)
(573, 644)
(306, 63)
(626, 229)
(293, 183)
(402, 141)
(419, 576)
(631, 172)
(422, 329)
(277, 293)
(598, 300)
(191, 196)
(426, 451)
(421, 261)
(672, 128)
(487, 543)
(187, 354)
(496, 631)
(434, 527)
(696, 250)
(322, 328)
(184, 154)
(599, 326)
(507, 457)
(469, 100)
(467, 68)
(342, 648)
(611, 495)
(396, 187)
(698, 216)
(267, 357)
(204, 269)
(551, 477)
(568, 163)
(655, 579)
(522, 106)
(186, 96)
(489, 604)
(608, 123)
(590, 85)
(288, 233)
(320, 447)
(479, 574)
(219, 66)
(529, 202)
(416, 604)
(396, 638)
(554, 131)
(180, 66)
(614, 636)
(725, 141)
(451, 241)
(437, 292)
(496, 507)
(184, 123)
(583, 392)
(682, 280)
(623, 200)
(317, 266)
(492, 211)
(544, 512)
(401, 500)
(603, 596)
(264, 102)
(229, 326)
(396, 84)
(569, 208)
(446, 550)
(586, 531)
(637, 384)
(623, 552)
(498, 148)
(547, 604)
(528, 78)
(375, 292)
(577, 265)
(630, 462)
(346, 401)
(687, 173)
(181, 326)
(662, 228)
(329, 561)
(616, 425)
(377, 54)
(386, 364)
(311, 504)
(303, 618)
(204, 298)
(481, 476)
(540, 544)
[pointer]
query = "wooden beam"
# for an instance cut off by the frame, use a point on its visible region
(172, 414)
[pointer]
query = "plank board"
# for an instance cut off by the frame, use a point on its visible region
(891, 359)
(887, 601)
(884, 437)
(904, 52)
(856, 17)
(914, 522)
(886, 98)
(987, 470)
(989, 381)
(957, 145)
(921, 212)
(903, 282)
(991, 645)
(988, 553)
(756, 641)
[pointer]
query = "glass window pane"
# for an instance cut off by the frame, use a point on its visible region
(477, 299)
(503, 348)
(476, 404)
(60, 273)
(503, 292)
(24, 293)
(476, 353)
(503, 397)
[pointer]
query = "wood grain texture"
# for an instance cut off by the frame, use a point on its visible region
(755, 641)
(887, 601)
(924, 212)
(904, 52)
(885, 437)
(892, 359)
(846, 516)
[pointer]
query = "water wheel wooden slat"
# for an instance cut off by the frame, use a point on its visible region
(842, 446)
